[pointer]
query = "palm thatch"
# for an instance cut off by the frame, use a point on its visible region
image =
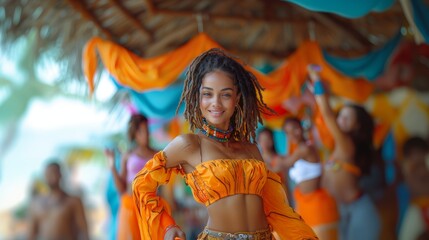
(259, 31)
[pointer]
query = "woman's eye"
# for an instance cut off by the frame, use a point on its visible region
(227, 95)
(206, 94)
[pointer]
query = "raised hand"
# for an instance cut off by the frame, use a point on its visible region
(110, 154)
(313, 72)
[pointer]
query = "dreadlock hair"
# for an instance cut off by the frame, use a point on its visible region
(362, 137)
(250, 102)
(134, 124)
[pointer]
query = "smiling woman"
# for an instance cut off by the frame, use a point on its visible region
(218, 104)
(221, 163)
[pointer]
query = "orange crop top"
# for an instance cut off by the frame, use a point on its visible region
(214, 180)
(211, 181)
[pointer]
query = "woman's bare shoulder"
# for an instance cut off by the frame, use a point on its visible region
(184, 141)
(253, 150)
(182, 148)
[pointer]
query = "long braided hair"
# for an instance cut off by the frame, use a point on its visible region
(363, 139)
(250, 102)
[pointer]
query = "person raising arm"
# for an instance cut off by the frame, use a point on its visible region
(351, 158)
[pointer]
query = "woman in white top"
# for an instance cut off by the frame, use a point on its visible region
(315, 205)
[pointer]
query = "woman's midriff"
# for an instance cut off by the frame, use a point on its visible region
(309, 185)
(342, 185)
(237, 213)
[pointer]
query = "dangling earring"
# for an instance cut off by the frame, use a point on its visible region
(238, 117)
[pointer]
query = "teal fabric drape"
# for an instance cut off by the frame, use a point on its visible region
(158, 103)
(421, 17)
(370, 66)
(345, 8)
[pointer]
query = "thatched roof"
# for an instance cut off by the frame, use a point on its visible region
(254, 29)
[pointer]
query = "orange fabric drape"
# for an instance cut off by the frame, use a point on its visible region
(138, 73)
(286, 81)
(384, 112)
(323, 131)
(144, 74)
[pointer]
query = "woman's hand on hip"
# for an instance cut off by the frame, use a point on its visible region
(174, 233)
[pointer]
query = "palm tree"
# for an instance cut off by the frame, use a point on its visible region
(16, 104)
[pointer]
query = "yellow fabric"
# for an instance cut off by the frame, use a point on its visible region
(154, 215)
(128, 227)
(391, 117)
(214, 180)
(384, 113)
(144, 74)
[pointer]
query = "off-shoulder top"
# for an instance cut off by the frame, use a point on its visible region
(211, 181)
(303, 170)
(134, 164)
(215, 179)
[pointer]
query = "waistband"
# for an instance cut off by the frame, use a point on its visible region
(209, 234)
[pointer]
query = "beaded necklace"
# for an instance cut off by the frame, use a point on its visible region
(216, 133)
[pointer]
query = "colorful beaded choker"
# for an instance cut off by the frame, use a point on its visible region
(215, 133)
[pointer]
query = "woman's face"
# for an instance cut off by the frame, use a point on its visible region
(347, 119)
(141, 136)
(293, 132)
(218, 98)
(265, 140)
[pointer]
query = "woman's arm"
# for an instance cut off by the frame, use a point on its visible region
(341, 139)
(118, 178)
(289, 161)
(153, 212)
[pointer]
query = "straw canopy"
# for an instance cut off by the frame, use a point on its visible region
(258, 31)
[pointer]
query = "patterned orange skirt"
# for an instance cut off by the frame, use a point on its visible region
(128, 227)
(317, 208)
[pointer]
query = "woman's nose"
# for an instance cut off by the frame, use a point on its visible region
(216, 100)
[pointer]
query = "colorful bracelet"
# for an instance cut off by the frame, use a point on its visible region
(318, 88)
